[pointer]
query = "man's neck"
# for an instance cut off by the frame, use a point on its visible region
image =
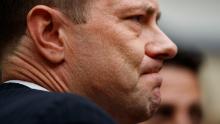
(21, 66)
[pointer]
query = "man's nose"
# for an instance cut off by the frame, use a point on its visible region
(160, 46)
(182, 118)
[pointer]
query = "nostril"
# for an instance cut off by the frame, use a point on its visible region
(165, 56)
(169, 50)
(169, 53)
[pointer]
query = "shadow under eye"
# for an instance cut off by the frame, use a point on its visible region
(195, 113)
(165, 111)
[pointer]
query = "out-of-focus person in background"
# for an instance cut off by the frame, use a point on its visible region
(181, 101)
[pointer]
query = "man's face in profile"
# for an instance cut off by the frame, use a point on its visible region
(117, 55)
(180, 98)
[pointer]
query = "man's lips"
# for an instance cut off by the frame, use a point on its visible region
(156, 87)
(152, 70)
(149, 72)
(152, 67)
(157, 79)
(154, 79)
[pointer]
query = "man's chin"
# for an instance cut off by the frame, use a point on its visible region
(153, 107)
(151, 110)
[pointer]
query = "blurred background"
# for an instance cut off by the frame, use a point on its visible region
(196, 24)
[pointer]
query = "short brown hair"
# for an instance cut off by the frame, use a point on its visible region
(13, 16)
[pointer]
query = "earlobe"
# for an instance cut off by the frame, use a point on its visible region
(44, 25)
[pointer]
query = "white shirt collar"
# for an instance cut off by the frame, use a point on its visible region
(28, 84)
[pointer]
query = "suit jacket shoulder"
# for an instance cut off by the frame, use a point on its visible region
(20, 104)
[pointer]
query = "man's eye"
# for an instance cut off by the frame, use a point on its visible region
(137, 18)
(166, 111)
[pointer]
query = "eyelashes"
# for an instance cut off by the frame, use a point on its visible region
(135, 18)
(142, 19)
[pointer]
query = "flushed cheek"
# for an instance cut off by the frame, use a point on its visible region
(122, 51)
(123, 40)
(137, 53)
(132, 51)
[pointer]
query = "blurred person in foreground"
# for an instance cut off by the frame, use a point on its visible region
(180, 90)
(107, 51)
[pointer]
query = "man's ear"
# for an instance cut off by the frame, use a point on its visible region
(44, 25)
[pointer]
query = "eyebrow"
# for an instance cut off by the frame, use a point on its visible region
(151, 10)
(145, 8)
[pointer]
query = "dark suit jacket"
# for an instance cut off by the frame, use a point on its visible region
(22, 105)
